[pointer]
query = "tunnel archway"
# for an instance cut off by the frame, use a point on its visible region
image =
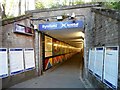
(67, 36)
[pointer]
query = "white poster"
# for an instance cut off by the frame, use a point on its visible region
(16, 60)
(91, 60)
(29, 59)
(111, 66)
(98, 64)
(3, 63)
(19, 28)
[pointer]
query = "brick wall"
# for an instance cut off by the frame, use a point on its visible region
(106, 33)
(10, 39)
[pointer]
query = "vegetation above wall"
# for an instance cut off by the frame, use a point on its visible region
(112, 5)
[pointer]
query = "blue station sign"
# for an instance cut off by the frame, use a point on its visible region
(61, 25)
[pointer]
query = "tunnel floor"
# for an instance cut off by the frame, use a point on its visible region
(66, 75)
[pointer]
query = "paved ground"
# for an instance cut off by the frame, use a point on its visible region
(66, 75)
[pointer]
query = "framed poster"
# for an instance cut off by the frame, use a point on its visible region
(111, 66)
(48, 46)
(16, 60)
(98, 64)
(29, 58)
(91, 59)
(19, 28)
(3, 63)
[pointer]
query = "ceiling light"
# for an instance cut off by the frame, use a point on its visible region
(59, 18)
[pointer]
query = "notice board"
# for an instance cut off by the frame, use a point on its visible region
(16, 60)
(91, 59)
(3, 63)
(29, 58)
(111, 66)
(98, 64)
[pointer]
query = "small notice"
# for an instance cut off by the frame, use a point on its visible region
(16, 61)
(111, 66)
(98, 65)
(3, 63)
(91, 60)
(29, 59)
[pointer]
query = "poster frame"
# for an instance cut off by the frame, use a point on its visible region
(89, 69)
(31, 68)
(109, 84)
(20, 71)
(5, 75)
(96, 75)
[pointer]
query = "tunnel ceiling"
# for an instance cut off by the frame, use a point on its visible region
(72, 36)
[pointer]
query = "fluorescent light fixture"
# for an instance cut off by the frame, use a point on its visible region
(59, 17)
(73, 15)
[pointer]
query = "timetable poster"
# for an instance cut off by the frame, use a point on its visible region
(3, 63)
(91, 59)
(29, 58)
(98, 65)
(111, 66)
(48, 46)
(16, 60)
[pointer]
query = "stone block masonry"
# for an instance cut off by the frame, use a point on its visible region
(106, 31)
(10, 39)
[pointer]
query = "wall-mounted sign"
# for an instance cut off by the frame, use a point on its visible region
(3, 63)
(22, 29)
(16, 60)
(61, 25)
(29, 58)
(111, 66)
(98, 64)
(91, 59)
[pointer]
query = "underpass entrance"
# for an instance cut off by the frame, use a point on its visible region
(62, 39)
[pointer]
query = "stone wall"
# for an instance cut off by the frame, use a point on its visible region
(106, 33)
(10, 39)
(106, 28)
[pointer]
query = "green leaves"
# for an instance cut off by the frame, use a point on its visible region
(39, 5)
(112, 5)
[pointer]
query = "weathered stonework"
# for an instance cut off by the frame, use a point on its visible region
(106, 33)
(9, 39)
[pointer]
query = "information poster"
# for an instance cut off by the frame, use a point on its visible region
(48, 46)
(111, 66)
(19, 28)
(98, 65)
(16, 61)
(29, 59)
(3, 63)
(91, 60)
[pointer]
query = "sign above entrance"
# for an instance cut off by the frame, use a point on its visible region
(61, 25)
